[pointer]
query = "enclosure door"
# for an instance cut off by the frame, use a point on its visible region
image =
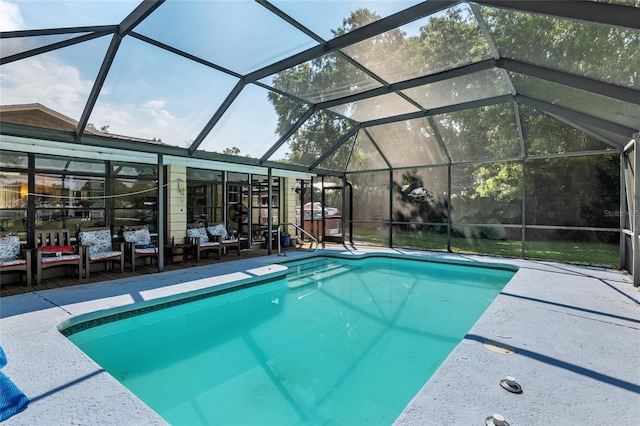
(238, 208)
(333, 224)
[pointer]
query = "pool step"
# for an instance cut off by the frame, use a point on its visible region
(313, 277)
(303, 266)
(303, 270)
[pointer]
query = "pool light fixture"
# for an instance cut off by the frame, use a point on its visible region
(509, 383)
(496, 420)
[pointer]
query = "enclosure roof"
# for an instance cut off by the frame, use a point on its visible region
(338, 86)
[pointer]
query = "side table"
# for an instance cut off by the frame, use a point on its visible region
(171, 251)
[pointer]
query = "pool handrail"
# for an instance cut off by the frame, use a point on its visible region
(311, 237)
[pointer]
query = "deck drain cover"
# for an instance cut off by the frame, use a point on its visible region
(510, 384)
(498, 347)
(496, 420)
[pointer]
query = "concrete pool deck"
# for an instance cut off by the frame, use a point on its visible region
(575, 332)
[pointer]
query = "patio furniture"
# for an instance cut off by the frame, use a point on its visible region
(228, 241)
(139, 244)
(198, 237)
(53, 248)
(15, 259)
(173, 250)
(98, 247)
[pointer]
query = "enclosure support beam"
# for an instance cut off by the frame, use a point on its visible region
(574, 115)
(523, 186)
(635, 212)
(391, 208)
(599, 13)
(523, 206)
(270, 211)
(621, 93)
(449, 207)
(624, 160)
(161, 213)
(350, 186)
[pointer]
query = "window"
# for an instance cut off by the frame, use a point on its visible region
(204, 195)
(69, 193)
(134, 195)
(13, 192)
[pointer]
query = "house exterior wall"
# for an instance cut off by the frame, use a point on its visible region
(176, 203)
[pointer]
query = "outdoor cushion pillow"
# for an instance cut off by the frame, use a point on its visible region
(9, 247)
(58, 249)
(198, 233)
(139, 236)
(98, 241)
(218, 230)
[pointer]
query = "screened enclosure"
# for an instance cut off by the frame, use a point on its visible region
(498, 127)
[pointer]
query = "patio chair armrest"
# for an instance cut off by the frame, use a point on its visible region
(194, 241)
(37, 254)
(83, 251)
(26, 255)
(214, 238)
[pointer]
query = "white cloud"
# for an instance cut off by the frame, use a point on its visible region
(45, 80)
(10, 18)
(156, 108)
(155, 104)
(150, 120)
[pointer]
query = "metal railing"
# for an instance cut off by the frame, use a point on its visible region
(311, 237)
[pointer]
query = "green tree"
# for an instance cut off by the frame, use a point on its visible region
(231, 151)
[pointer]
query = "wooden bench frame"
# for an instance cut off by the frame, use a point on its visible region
(55, 237)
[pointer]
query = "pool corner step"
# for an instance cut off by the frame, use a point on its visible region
(302, 279)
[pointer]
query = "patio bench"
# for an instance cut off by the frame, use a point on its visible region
(54, 249)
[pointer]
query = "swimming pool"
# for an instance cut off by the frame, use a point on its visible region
(337, 341)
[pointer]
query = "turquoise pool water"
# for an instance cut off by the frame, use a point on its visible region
(336, 342)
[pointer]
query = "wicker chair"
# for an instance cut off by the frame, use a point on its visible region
(139, 244)
(98, 247)
(53, 248)
(199, 239)
(13, 258)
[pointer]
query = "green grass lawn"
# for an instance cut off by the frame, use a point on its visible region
(584, 253)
